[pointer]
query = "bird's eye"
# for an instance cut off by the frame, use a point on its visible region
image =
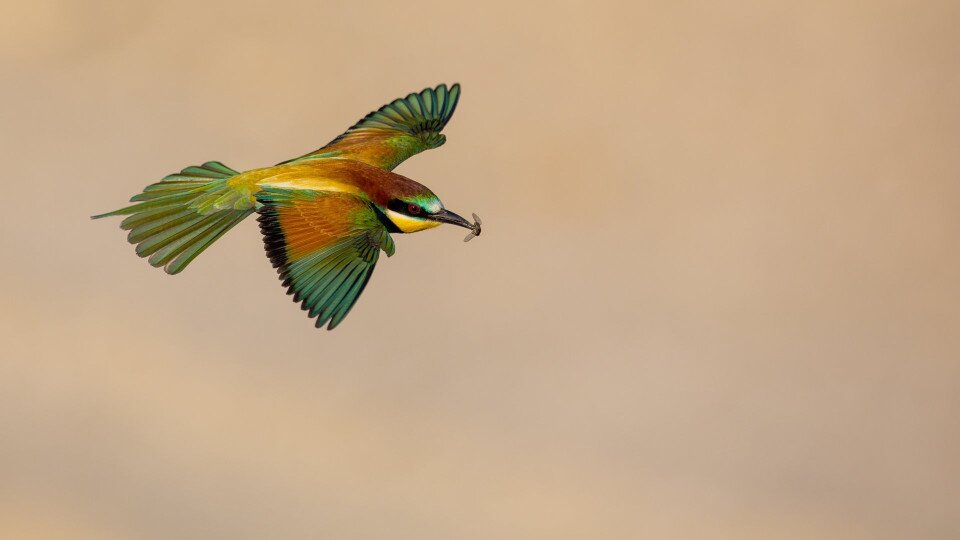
(413, 209)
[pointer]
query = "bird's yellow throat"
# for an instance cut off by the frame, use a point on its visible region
(409, 224)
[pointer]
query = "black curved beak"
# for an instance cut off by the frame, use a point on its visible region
(446, 216)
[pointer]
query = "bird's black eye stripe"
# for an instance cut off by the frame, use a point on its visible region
(407, 208)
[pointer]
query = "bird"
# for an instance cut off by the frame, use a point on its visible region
(325, 216)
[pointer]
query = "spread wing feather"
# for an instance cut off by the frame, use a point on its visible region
(400, 129)
(324, 245)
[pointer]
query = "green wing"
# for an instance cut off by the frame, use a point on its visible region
(396, 131)
(324, 245)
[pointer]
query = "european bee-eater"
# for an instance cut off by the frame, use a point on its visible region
(325, 216)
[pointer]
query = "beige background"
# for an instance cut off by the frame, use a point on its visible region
(716, 296)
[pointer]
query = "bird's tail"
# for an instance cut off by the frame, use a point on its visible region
(174, 220)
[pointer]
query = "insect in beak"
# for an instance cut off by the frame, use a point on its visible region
(475, 229)
(446, 216)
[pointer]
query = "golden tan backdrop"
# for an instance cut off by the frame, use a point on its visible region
(717, 295)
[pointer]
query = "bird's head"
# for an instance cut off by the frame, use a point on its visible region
(420, 211)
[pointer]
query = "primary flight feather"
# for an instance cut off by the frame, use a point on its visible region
(325, 216)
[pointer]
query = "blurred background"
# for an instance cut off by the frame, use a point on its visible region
(716, 295)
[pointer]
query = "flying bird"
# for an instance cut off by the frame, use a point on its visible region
(325, 216)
